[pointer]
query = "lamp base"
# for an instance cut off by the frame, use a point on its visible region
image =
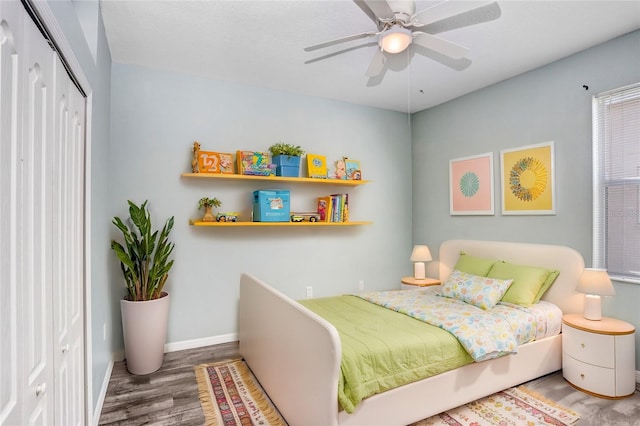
(418, 271)
(592, 307)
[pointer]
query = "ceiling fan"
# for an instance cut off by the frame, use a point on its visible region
(399, 26)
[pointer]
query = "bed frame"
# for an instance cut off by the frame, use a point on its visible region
(295, 354)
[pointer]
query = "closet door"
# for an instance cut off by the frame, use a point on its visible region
(35, 227)
(68, 248)
(10, 293)
(42, 126)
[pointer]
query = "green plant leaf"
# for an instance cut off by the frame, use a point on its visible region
(144, 257)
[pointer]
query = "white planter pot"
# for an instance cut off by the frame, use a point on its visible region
(144, 326)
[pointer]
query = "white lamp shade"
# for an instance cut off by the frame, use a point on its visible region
(595, 281)
(396, 39)
(420, 254)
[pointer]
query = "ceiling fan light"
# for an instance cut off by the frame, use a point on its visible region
(395, 39)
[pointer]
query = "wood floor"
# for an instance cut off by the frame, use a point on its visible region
(167, 397)
(170, 395)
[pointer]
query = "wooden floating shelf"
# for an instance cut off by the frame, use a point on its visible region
(275, 179)
(271, 224)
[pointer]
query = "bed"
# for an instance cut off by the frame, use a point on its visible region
(296, 354)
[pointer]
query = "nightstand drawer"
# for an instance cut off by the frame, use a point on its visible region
(589, 377)
(591, 348)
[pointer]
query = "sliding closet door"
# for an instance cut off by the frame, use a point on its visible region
(10, 119)
(42, 125)
(68, 248)
(35, 227)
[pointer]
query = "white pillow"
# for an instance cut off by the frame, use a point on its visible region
(479, 291)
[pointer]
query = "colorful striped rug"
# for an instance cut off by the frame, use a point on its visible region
(231, 396)
(513, 407)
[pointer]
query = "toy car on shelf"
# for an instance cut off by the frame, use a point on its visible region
(305, 217)
(227, 217)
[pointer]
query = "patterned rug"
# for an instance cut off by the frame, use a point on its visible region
(515, 406)
(231, 396)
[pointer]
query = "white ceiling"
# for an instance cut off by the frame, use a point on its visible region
(260, 43)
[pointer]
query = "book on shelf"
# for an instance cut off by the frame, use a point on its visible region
(324, 208)
(317, 166)
(208, 162)
(352, 169)
(253, 163)
(337, 208)
(226, 162)
(334, 208)
(345, 207)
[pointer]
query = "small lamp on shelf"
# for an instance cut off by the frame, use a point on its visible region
(594, 283)
(419, 255)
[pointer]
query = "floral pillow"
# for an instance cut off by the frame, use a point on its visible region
(479, 291)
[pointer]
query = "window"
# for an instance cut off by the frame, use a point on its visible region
(616, 183)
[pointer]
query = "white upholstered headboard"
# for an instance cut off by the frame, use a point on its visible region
(565, 259)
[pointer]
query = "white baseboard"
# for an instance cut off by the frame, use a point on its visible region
(102, 394)
(198, 343)
(118, 355)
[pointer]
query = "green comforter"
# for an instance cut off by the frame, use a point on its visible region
(383, 349)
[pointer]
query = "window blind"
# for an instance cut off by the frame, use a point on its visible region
(616, 182)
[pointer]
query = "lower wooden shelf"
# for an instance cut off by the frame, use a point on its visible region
(258, 224)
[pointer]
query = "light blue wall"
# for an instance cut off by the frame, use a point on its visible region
(547, 104)
(157, 115)
(97, 70)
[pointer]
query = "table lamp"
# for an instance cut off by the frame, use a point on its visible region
(594, 283)
(419, 255)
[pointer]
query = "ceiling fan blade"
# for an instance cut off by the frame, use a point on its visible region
(377, 64)
(440, 45)
(380, 8)
(340, 40)
(442, 10)
(455, 64)
(340, 52)
(367, 10)
(486, 13)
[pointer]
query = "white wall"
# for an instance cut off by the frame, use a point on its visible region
(546, 104)
(157, 115)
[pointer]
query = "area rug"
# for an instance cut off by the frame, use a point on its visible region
(515, 406)
(231, 396)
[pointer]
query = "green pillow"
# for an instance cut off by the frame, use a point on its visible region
(474, 265)
(527, 281)
(553, 274)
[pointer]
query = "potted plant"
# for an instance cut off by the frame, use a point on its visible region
(209, 204)
(286, 157)
(145, 264)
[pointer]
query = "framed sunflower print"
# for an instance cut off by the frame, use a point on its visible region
(528, 180)
(471, 185)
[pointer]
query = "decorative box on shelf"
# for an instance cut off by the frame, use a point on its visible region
(271, 206)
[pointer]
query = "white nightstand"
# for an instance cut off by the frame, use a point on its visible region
(410, 283)
(598, 357)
